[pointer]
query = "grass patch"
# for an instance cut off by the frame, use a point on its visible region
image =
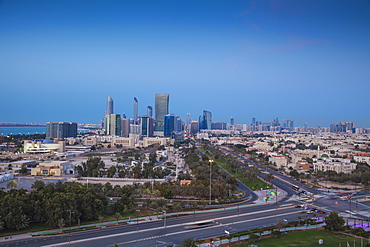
(307, 239)
(252, 183)
(34, 227)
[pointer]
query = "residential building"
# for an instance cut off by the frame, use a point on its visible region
(362, 157)
(279, 160)
(61, 130)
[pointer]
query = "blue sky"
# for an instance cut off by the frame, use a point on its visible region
(302, 60)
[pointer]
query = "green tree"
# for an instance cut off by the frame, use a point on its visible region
(117, 216)
(168, 194)
(12, 184)
(294, 173)
(93, 167)
(254, 237)
(111, 171)
(276, 233)
(2, 224)
(188, 242)
(334, 222)
(38, 185)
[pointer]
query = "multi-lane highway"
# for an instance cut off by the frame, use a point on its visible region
(173, 230)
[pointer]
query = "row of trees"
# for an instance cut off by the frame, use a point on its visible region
(49, 204)
(95, 167)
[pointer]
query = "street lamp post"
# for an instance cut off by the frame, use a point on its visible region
(137, 220)
(276, 195)
(164, 216)
(210, 181)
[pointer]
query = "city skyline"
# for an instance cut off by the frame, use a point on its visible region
(306, 61)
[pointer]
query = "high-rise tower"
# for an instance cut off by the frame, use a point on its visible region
(188, 121)
(113, 124)
(150, 111)
(207, 120)
(161, 110)
(109, 106)
(169, 124)
(136, 103)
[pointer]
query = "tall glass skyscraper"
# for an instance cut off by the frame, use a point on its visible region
(136, 103)
(150, 111)
(146, 126)
(113, 124)
(207, 120)
(161, 110)
(109, 106)
(169, 124)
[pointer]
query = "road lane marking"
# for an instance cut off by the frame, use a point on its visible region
(172, 226)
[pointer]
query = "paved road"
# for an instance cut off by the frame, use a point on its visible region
(232, 220)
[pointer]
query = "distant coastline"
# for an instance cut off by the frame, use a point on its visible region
(21, 125)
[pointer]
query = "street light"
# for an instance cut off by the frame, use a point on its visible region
(137, 219)
(210, 181)
(164, 215)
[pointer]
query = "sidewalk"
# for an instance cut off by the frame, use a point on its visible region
(15, 237)
(270, 195)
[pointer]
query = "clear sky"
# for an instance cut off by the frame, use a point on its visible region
(306, 60)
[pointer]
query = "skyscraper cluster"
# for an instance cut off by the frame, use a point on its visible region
(343, 127)
(163, 124)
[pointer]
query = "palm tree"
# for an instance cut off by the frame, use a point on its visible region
(100, 218)
(177, 208)
(117, 216)
(61, 223)
(299, 220)
(229, 237)
(221, 238)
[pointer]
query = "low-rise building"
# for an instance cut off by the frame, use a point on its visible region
(155, 140)
(46, 146)
(279, 160)
(53, 168)
(362, 157)
(334, 164)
